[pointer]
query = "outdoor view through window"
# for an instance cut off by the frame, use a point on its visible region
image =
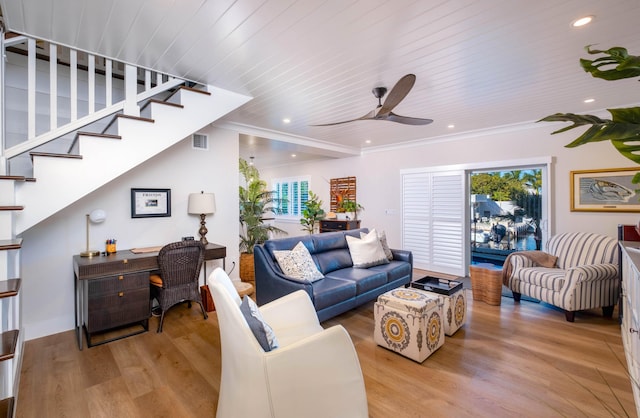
(506, 209)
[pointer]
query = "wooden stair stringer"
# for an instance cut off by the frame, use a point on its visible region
(104, 159)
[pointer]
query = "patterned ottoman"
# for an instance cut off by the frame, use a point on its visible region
(409, 322)
(454, 300)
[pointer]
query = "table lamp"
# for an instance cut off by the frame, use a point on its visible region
(96, 216)
(202, 204)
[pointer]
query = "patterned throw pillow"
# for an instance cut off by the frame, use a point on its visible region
(382, 236)
(366, 252)
(298, 264)
(261, 330)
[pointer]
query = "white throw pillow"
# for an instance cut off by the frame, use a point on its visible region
(298, 264)
(382, 236)
(367, 251)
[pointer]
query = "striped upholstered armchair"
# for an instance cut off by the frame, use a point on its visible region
(585, 275)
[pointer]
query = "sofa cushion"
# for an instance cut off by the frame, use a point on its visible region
(282, 244)
(298, 264)
(395, 270)
(331, 291)
(544, 277)
(365, 279)
(333, 260)
(366, 252)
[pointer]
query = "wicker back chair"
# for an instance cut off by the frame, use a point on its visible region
(180, 264)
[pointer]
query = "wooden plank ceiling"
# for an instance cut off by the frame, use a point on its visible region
(479, 64)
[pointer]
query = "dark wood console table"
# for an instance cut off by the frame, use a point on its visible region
(335, 225)
(112, 291)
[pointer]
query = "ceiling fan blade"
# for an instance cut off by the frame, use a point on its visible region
(397, 93)
(370, 115)
(392, 117)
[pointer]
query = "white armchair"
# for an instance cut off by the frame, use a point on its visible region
(585, 275)
(314, 372)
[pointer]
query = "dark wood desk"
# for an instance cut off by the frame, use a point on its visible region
(112, 291)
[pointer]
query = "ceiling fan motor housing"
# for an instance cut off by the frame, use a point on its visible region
(379, 92)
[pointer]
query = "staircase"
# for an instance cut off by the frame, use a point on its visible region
(97, 147)
(127, 142)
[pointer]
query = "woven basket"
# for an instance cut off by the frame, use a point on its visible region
(486, 284)
(247, 269)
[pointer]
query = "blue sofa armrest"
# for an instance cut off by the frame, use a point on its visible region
(403, 255)
(271, 284)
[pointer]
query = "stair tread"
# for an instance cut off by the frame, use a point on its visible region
(10, 244)
(122, 115)
(9, 288)
(52, 154)
(6, 407)
(195, 90)
(165, 103)
(98, 134)
(15, 178)
(9, 342)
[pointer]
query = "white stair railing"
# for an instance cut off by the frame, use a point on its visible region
(93, 83)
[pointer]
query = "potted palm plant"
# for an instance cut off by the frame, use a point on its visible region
(312, 213)
(623, 129)
(255, 202)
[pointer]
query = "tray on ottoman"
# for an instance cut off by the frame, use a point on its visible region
(436, 285)
(455, 302)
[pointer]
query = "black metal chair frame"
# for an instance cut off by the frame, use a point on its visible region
(180, 264)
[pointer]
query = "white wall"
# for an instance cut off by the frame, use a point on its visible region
(48, 303)
(378, 174)
(47, 271)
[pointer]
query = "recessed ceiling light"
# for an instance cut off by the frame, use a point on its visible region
(286, 120)
(582, 21)
(589, 100)
(451, 126)
(293, 155)
(368, 141)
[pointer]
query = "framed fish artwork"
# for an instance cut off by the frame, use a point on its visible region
(605, 190)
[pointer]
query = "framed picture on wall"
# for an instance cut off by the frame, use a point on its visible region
(605, 190)
(149, 203)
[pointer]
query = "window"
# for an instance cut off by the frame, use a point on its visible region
(291, 196)
(444, 210)
(506, 212)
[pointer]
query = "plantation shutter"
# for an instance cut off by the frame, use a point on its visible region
(433, 208)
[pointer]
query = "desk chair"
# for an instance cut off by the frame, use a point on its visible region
(180, 264)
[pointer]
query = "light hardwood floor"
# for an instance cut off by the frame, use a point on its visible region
(513, 360)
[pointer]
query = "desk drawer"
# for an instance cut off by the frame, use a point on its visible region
(118, 308)
(116, 300)
(118, 283)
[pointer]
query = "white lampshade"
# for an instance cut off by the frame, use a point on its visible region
(202, 203)
(97, 216)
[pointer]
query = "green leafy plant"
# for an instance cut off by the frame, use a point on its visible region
(312, 212)
(347, 205)
(623, 129)
(255, 202)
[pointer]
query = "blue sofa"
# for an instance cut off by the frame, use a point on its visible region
(343, 287)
